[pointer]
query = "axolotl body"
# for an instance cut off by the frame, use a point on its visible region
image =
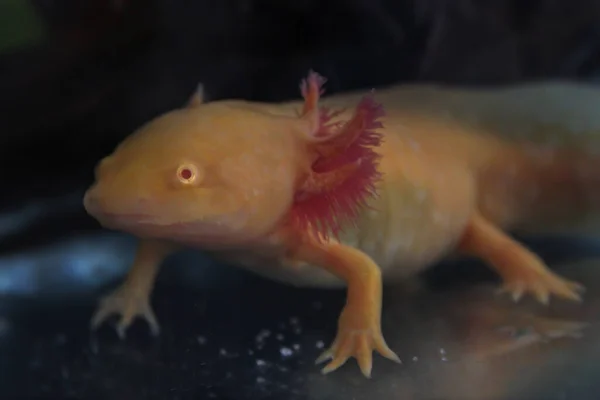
(341, 190)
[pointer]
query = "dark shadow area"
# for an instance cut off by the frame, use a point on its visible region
(77, 77)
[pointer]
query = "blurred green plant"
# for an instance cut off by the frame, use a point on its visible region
(20, 25)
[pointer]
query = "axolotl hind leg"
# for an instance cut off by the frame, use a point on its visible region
(520, 269)
(132, 298)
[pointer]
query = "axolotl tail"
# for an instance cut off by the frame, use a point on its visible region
(561, 190)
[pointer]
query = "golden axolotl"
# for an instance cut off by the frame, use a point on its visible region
(347, 190)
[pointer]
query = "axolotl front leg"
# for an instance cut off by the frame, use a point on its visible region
(132, 298)
(359, 325)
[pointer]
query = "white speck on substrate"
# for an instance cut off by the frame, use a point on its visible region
(296, 346)
(262, 335)
(261, 363)
(279, 337)
(286, 351)
(444, 359)
(260, 379)
(201, 340)
(250, 352)
(442, 351)
(320, 344)
(223, 352)
(415, 359)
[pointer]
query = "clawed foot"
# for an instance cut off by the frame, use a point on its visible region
(129, 306)
(358, 341)
(542, 283)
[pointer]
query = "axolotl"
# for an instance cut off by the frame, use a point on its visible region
(350, 189)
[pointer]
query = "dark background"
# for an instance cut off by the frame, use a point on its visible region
(78, 76)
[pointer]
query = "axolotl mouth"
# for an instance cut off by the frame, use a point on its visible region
(96, 208)
(134, 219)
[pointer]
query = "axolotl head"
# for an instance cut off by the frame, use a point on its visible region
(229, 172)
(217, 172)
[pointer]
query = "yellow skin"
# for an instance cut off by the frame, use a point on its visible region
(448, 188)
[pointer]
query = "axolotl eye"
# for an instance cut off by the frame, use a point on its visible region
(188, 174)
